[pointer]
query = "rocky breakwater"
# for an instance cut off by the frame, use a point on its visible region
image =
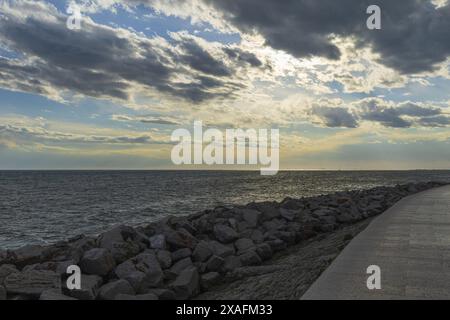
(179, 257)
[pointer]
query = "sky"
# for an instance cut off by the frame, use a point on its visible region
(109, 94)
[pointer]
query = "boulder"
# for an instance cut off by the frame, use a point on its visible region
(250, 258)
(251, 217)
(257, 236)
(214, 263)
(28, 254)
(220, 250)
(277, 245)
(54, 294)
(224, 233)
(180, 239)
(202, 251)
(264, 251)
(148, 296)
(231, 263)
(244, 244)
(181, 254)
(158, 242)
(31, 283)
(110, 290)
(287, 214)
(181, 265)
(165, 258)
(6, 270)
(187, 284)
(121, 241)
(90, 285)
(97, 261)
(209, 279)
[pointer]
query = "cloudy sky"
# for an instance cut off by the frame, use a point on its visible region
(108, 96)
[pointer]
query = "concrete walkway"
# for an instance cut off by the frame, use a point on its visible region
(410, 243)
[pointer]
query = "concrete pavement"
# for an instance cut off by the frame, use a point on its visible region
(410, 242)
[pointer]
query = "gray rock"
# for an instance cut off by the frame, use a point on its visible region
(181, 254)
(120, 242)
(165, 258)
(181, 265)
(90, 285)
(250, 258)
(6, 270)
(158, 242)
(243, 244)
(257, 236)
(273, 225)
(148, 296)
(288, 214)
(180, 239)
(220, 250)
(202, 251)
(2, 293)
(251, 217)
(231, 263)
(142, 272)
(187, 284)
(224, 233)
(209, 279)
(110, 290)
(28, 254)
(54, 294)
(31, 283)
(214, 263)
(269, 210)
(97, 261)
(163, 294)
(264, 251)
(277, 245)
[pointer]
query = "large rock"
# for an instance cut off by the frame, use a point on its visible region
(209, 279)
(90, 285)
(28, 254)
(244, 244)
(287, 214)
(6, 270)
(224, 233)
(142, 272)
(97, 261)
(264, 251)
(202, 251)
(214, 263)
(251, 217)
(181, 254)
(165, 258)
(187, 284)
(181, 265)
(180, 239)
(158, 242)
(250, 258)
(220, 250)
(231, 263)
(123, 242)
(110, 290)
(54, 294)
(32, 283)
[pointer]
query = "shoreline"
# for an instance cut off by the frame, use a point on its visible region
(182, 257)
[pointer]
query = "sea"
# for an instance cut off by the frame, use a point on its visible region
(43, 207)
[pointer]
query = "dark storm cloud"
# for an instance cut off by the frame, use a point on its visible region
(414, 36)
(402, 115)
(243, 56)
(335, 116)
(102, 62)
